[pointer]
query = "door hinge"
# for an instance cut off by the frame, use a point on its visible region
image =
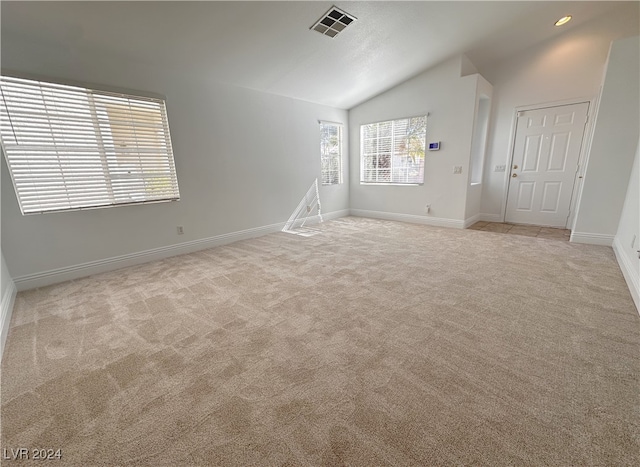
(586, 119)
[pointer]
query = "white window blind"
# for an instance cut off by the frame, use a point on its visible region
(392, 152)
(70, 147)
(331, 153)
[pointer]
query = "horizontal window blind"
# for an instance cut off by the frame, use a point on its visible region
(331, 153)
(393, 151)
(70, 147)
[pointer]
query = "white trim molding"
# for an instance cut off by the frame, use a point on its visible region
(336, 214)
(412, 218)
(628, 271)
(76, 271)
(470, 221)
(8, 300)
(591, 238)
(316, 219)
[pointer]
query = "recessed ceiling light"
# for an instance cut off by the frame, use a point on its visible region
(563, 20)
(333, 22)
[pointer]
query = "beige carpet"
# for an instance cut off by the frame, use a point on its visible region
(372, 343)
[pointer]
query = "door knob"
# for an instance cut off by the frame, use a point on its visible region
(514, 175)
(515, 166)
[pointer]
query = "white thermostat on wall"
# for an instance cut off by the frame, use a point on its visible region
(434, 146)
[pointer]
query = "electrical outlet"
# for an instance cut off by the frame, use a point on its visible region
(457, 169)
(180, 230)
(500, 168)
(427, 208)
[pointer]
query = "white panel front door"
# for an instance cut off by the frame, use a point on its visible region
(545, 162)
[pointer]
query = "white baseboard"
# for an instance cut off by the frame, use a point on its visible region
(628, 271)
(8, 299)
(470, 221)
(591, 238)
(490, 217)
(316, 219)
(336, 214)
(76, 271)
(425, 220)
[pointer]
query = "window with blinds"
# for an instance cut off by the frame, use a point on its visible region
(69, 147)
(331, 153)
(392, 152)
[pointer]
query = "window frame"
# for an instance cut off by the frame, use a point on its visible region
(84, 95)
(340, 127)
(424, 115)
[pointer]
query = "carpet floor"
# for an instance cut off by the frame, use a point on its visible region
(370, 343)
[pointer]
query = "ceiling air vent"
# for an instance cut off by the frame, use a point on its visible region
(333, 22)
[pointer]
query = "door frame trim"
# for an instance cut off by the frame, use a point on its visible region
(582, 157)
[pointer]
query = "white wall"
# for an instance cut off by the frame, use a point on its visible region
(484, 90)
(7, 298)
(613, 146)
(450, 102)
(244, 159)
(569, 66)
(627, 240)
(5, 278)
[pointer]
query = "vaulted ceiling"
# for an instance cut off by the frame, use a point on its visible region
(269, 46)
